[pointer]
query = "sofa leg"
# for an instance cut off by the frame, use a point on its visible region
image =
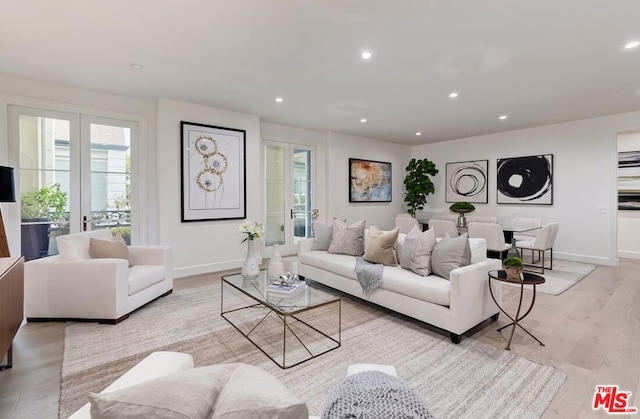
(455, 338)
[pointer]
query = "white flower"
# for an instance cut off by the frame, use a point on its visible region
(253, 229)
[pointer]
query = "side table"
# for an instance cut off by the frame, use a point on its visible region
(528, 278)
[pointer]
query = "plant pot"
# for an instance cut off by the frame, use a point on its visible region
(513, 273)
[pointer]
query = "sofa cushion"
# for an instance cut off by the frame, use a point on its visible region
(347, 239)
(186, 394)
(432, 288)
(116, 248)
(251, 392)
(322, 235)
(415, 252)
(344, 265)
(143, 276)
(76, 245)
(380, 246)
(449, 254)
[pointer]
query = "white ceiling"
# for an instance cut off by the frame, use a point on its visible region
(539, 62)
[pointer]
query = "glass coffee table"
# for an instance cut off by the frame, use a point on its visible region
(289, 331)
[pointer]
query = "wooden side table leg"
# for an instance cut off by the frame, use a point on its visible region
(9, 363)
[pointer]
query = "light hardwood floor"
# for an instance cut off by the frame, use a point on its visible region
(591, 332)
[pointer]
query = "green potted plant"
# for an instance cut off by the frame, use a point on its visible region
(513, 267)
(38, 210)
(418, 184)
(461, 208)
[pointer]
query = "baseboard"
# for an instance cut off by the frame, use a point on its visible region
(628, 255)
(596, 260)
(209, 268)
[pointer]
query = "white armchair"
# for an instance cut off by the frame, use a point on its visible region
(73, 286)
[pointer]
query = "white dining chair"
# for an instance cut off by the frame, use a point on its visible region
(542, 243)
(523, 223)
(450, 217)
(493, 234)
(443, 227)
(405, 224)
(483, 219)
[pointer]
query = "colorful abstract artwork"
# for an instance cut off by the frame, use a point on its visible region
(369, 181)
(525, 180)
(213, 173)
(629, 180)
(467, 181)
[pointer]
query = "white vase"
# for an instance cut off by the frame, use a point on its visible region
(276, 266)
(250, 269)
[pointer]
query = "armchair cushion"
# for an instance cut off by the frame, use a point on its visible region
(76, 246)
(116, 248)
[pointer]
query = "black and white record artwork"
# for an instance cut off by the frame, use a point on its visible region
(467, 181)
(525, 180)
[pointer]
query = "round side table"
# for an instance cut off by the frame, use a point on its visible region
(528, 278)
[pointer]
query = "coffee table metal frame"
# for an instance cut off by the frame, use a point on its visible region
(284, 312)
(528, 278)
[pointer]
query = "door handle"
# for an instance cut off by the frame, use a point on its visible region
(85, 222)
(292, 213)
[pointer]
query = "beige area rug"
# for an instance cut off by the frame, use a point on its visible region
(469, 380)
(564, 275)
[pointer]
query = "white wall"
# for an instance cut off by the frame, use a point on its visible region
(584, 179)
(629, 221)
(341, 147)
(203, 246)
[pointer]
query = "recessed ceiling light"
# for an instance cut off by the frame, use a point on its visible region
(632, 44)
(453, 95)
(363, 120)
(136, 66)
(279, 99)
(503, 117)
(418, 133)
(366, 55)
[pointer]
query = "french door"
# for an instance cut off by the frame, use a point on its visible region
(289, 194)
(74, 175)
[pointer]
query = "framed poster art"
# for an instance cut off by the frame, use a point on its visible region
(212, 172)
(467, 181)
(369, 181)
(629, 180)
(525, 180)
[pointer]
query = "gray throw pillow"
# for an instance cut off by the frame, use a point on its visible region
(347, 239)
(449, 254)
(322, 235)
(415, 252)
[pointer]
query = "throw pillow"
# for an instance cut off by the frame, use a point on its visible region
(380, 246)
(116, 248)
(415, 253)
(186, 394)
(323, 233)
(449, 254)
(347, 239)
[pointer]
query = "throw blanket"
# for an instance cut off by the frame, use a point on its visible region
(374, 394)
(369, 275)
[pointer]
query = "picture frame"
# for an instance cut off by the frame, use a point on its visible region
(629, 180)
(369, 181)
(213, 173)
(526, 180)
(467, 181)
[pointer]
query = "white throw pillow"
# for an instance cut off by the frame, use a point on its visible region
(347, 239)
(415, 253)
(76, 245)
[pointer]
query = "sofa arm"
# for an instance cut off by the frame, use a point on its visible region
(304, 245)
(151, 255)
(57, 287)
(469, 290)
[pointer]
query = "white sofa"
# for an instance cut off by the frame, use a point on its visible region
(73, 286)
(455, 305)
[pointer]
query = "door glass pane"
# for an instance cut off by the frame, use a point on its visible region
(44, 184)
(302, 193)
(274, 195)
(111, 179)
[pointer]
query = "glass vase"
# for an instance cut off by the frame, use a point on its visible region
(250, 269)
(513, 251)
(276, 265)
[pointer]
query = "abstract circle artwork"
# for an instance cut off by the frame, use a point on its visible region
(525, 180)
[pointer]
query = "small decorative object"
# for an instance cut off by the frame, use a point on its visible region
(462, 208)
(513, 251)
(276, 266)
(287, 279)
(513, 267)
(253, 230)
